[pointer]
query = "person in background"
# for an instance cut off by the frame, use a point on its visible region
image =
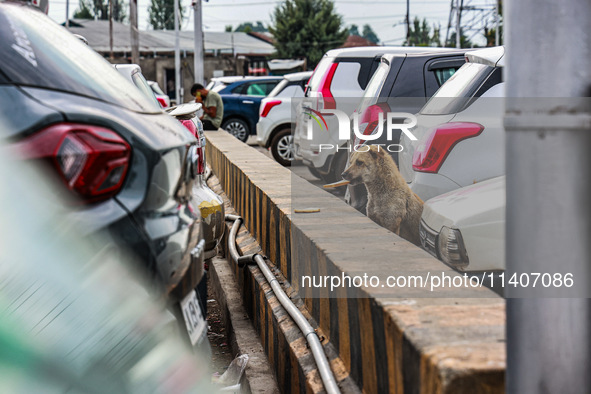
(213, 107)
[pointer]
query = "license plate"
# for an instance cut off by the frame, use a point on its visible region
(193, 317)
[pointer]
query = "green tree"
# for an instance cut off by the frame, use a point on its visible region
(89, 9)
(420, 34)
(249, 26)
(161, 14)
(307, 28)
(228, 28)
(464, 41)
(369, 34)
(354, 30)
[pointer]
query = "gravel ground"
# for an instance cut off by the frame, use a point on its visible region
(221, 355)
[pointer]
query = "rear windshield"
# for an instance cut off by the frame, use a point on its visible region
(156, 88)
(36, 51)
(456, 93)
(316, 78)
(278, 88)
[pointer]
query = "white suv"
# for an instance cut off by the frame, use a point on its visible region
(460, 133)
(338, 82)
(275, 117)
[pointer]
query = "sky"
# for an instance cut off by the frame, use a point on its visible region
(385, 17)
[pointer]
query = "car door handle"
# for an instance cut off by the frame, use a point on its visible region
(247, 102)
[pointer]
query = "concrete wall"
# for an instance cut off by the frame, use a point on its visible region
(449, 341)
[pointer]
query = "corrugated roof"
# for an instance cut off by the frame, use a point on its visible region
(97, 34)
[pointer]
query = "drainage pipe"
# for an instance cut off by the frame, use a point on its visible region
(328, 379)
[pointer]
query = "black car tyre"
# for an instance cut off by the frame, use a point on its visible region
(315, 172)
(282, 147)
(338, 166)
(238, 128)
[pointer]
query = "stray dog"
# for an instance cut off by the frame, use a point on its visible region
(390, 202)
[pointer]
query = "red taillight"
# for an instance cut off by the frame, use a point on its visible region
(200, 161)
(370, 119)
(91, 160)
(325, 83)
(267, 105)
(430, 156)
(162, 102)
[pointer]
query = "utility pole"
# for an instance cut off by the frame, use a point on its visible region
(198, 41)
(460, 5)
(177, 55)
(497, 23)
(548, 135)
(135, 42)
(67, 14)
(407, 21)
(451, 10)
(111, 56)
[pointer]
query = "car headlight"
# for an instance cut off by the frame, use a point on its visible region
(451, 249)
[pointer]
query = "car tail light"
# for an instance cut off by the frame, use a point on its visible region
(162, 102)
(200, 161)
(429, 157)
(324, 91)
(370, 119)
(267, 105)
(91, 160)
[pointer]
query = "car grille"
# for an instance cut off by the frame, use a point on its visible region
(428, 238)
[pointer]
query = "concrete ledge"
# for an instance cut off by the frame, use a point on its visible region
(398, 342)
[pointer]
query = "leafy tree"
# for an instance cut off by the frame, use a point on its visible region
(354, 30)
(464, 41)
(249, 26)
(307, 28)
(89, 9)
(420, 34)
(369, 34)
(161, 14)
(228, 28)
(490, 35)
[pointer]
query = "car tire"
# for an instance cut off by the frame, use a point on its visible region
(315, 172)
(338, 166)
(238, 128)
(282, 147)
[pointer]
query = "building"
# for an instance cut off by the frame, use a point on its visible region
(226, 53)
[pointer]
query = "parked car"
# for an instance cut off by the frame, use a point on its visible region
(242, 99)
(339, 82)
(74, 314)
(162, 97)
(465, 228)
(126, 163)
(460, 133)
(274, 128)
(210, 204)
(402, 83)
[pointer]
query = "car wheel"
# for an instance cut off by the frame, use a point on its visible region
(314, 172)
(282, 147)
(238, 128)
(339, 164)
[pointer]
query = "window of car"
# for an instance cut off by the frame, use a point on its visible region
(443, 74)
(456, 93)
(260, 88)
(37, 52)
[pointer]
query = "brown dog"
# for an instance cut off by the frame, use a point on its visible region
(390, 202)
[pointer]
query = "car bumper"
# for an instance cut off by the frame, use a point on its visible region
(264, 127)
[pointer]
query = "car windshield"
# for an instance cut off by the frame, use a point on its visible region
(37, 52)
(370, 96)
(457, 91)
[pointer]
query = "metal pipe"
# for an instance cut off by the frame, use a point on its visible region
(328, 379)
